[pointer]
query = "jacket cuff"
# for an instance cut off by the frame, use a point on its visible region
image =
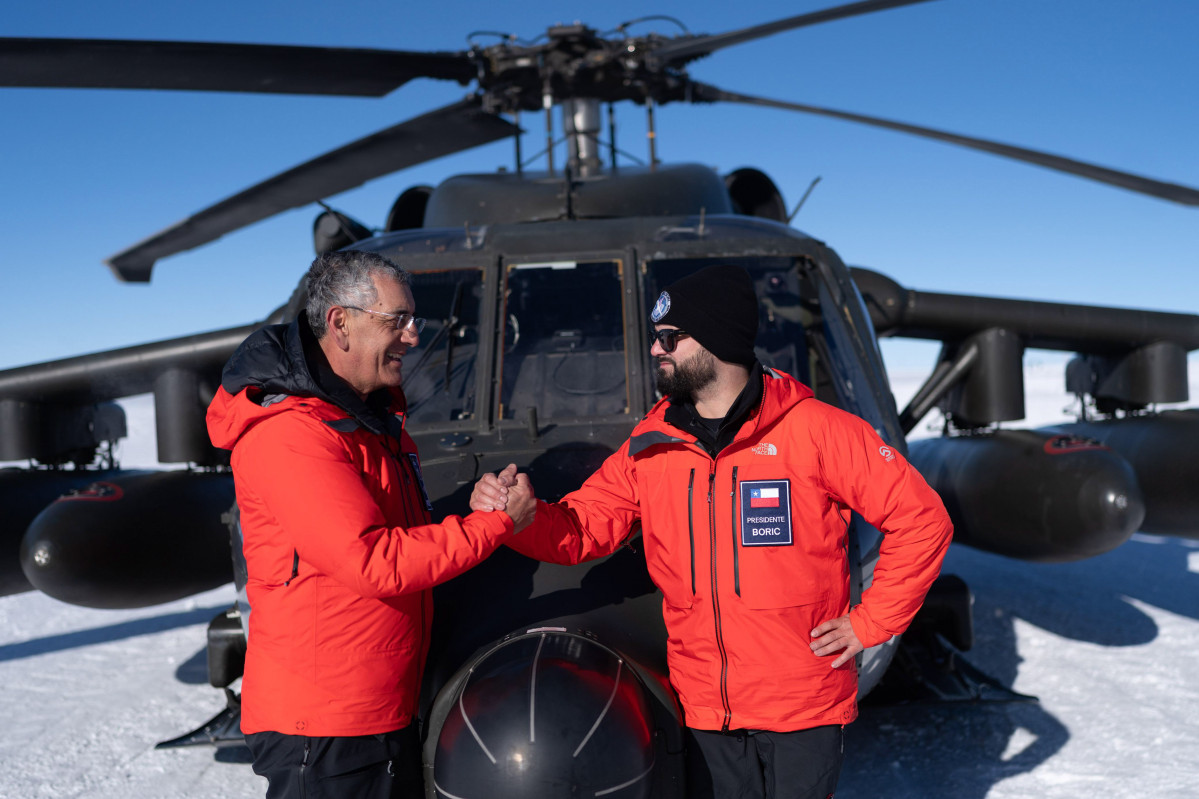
(496, 523)
(866, 631)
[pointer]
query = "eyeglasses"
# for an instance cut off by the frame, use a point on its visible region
(403, 321)
(668, 339)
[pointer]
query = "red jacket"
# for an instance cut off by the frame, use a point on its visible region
(749, 550)
(340, 554)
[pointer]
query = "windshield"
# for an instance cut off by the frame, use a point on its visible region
(563, 346)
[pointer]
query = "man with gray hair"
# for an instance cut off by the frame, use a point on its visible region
(340, 546)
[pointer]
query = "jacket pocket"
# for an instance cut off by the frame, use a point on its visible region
(770, 600)
(670, 525)
(771, 578)
(668, 569)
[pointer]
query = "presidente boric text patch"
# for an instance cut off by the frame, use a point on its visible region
(765, 513)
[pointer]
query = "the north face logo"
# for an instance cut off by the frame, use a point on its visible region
(764, 449)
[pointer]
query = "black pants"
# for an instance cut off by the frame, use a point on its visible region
(764, 765)
(385, 766)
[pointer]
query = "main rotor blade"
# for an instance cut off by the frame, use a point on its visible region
(699, 46)
(1173, 192)
(207, 66)
(447, 130)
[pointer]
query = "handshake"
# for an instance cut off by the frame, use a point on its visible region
(506, 491)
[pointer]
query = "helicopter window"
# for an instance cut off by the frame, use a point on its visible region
(854, 363)
(782, 316)
(439, 375)
(563, 350)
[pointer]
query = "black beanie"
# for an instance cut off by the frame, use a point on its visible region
(717, 307)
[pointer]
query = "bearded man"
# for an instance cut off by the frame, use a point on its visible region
(743, 484)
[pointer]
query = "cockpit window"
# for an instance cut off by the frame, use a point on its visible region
(563, 346)
(439, 375)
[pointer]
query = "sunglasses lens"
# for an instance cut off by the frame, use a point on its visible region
(667, 339)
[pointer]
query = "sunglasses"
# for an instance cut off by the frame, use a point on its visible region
(668, 339)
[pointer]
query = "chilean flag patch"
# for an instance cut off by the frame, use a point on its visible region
(763, 497)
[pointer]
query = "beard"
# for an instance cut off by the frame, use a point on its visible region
(687, 378)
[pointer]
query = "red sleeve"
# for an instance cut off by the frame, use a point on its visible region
(873, 479)
(303, 478)
(588, 523)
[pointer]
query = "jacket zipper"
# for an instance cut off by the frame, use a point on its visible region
(724, 658)
(304, 768)
(691, 525)
(733, 528)
(295, 567)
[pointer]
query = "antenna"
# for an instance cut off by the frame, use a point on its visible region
(803, 199)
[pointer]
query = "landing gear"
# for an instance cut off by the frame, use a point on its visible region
(928, 666)
(223, 729)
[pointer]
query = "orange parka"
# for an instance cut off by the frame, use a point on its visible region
(749, 549)
(339, 546)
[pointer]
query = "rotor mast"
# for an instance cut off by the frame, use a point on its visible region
(581, 123)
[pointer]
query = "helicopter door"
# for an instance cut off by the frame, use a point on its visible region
(564, 347)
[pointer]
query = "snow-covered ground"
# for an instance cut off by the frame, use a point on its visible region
(1108, 646)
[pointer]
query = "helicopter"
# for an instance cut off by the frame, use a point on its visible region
(544, 277)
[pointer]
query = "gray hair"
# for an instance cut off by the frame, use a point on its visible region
(346, 278)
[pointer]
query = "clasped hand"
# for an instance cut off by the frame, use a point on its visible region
(506, 491)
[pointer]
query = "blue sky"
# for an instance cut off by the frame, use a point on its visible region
(87, 173)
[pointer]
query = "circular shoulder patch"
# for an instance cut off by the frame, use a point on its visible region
(661, 308)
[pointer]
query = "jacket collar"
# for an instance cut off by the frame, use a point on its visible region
(287, 360)
(683, 415)
(766, 398)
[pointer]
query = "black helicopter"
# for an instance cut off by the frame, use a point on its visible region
(538, 285)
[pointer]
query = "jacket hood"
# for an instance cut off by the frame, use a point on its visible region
(780, 393)
(276, 362)
(274, 359)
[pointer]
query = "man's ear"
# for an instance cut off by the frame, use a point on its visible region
(337, 323)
